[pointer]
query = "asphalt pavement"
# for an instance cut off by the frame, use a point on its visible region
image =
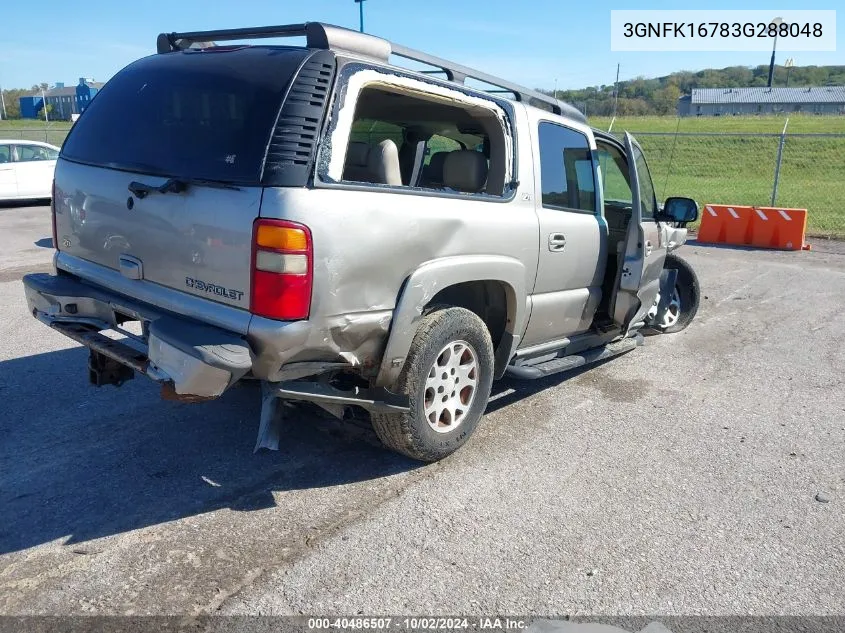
(703, 473)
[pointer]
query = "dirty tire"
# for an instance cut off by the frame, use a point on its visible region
(689, 292)
(411, 433)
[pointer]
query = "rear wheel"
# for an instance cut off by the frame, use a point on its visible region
(447, 377)
(683, 305)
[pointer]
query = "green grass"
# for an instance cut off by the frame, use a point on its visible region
(711, 169)
(740, 169)
(798, 124)
(53, 132)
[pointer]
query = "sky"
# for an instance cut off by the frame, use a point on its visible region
(538, 43)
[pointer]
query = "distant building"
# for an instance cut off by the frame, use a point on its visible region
(65, 101)
(724, 101)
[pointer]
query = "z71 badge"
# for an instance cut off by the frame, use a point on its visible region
(214, 289)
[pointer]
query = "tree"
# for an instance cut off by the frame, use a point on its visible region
(660, 96)
(13, 106)
(665, 100)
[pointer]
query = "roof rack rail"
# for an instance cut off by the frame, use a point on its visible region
(340, 39)
(459, 73)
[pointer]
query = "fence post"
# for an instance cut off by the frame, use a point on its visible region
(777, 165)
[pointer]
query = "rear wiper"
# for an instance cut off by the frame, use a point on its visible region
(176, 185)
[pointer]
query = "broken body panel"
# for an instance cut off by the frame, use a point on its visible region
(181, 262)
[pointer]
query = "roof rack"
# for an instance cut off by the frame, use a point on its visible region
(339, 39)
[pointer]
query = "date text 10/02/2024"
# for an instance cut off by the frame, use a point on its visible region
(418, 624)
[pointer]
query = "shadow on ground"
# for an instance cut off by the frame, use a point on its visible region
(44, 242)
(17, 204)
(508, 391)
(78, 462)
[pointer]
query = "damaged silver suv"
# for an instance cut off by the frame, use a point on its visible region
(350, 232)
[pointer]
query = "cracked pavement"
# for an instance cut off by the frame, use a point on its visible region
(677, 479)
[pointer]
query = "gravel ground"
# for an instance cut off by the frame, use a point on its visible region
(683, 478)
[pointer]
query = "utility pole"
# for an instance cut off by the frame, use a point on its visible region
(44, 105)
(555, 87)
(776, 23)
(3, 102)
(616, 92)
(360, 14)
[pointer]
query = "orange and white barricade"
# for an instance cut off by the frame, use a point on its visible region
(763, 227)
(774, 227)
(725, 224)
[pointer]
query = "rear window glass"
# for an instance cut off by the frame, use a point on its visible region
(202, 115)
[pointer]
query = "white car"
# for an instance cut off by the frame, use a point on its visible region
(26, 169)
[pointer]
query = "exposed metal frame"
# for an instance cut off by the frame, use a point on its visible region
(343, 40)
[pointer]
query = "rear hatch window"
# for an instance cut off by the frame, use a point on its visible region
(205, 115)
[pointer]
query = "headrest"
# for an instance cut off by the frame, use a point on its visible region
(383, 163)
(435, 166)
(356, 153)
(465, 170)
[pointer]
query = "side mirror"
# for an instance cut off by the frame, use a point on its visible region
(680, 210)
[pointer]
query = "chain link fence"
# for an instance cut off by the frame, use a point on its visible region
(804, 171)
(55, 135)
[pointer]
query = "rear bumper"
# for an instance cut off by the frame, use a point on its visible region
(191, 359)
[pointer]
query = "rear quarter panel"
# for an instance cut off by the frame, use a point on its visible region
(366, 244)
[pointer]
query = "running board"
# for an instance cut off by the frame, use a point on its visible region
(567, 363)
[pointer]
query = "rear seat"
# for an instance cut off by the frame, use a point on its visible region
(433, 172)
(465, 170)
(356, 162)
(379, 164)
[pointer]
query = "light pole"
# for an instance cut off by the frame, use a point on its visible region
(776, 22)
(789, 63)
(360, 14)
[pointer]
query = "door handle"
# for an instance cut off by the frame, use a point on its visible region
(557, 241)
(648, 248)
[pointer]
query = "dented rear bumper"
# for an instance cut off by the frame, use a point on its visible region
(192, 360)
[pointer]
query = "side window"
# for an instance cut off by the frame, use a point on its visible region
(567, 177)
(402, 137)
(648, 200)
(5, 153)
(29, 153)
(614, 176)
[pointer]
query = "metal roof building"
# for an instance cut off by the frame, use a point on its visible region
(65, 101)
(722, 101)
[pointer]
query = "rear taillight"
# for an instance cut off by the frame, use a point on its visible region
(282, 270)
(53, 216)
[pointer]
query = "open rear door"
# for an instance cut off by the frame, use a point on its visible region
(638, 279)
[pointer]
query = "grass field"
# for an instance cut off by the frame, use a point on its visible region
(53, 132)
(711, 169)
(798, 124)
(740, 169)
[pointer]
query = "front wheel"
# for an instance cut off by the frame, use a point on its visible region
(447, 377)
(683, 305)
